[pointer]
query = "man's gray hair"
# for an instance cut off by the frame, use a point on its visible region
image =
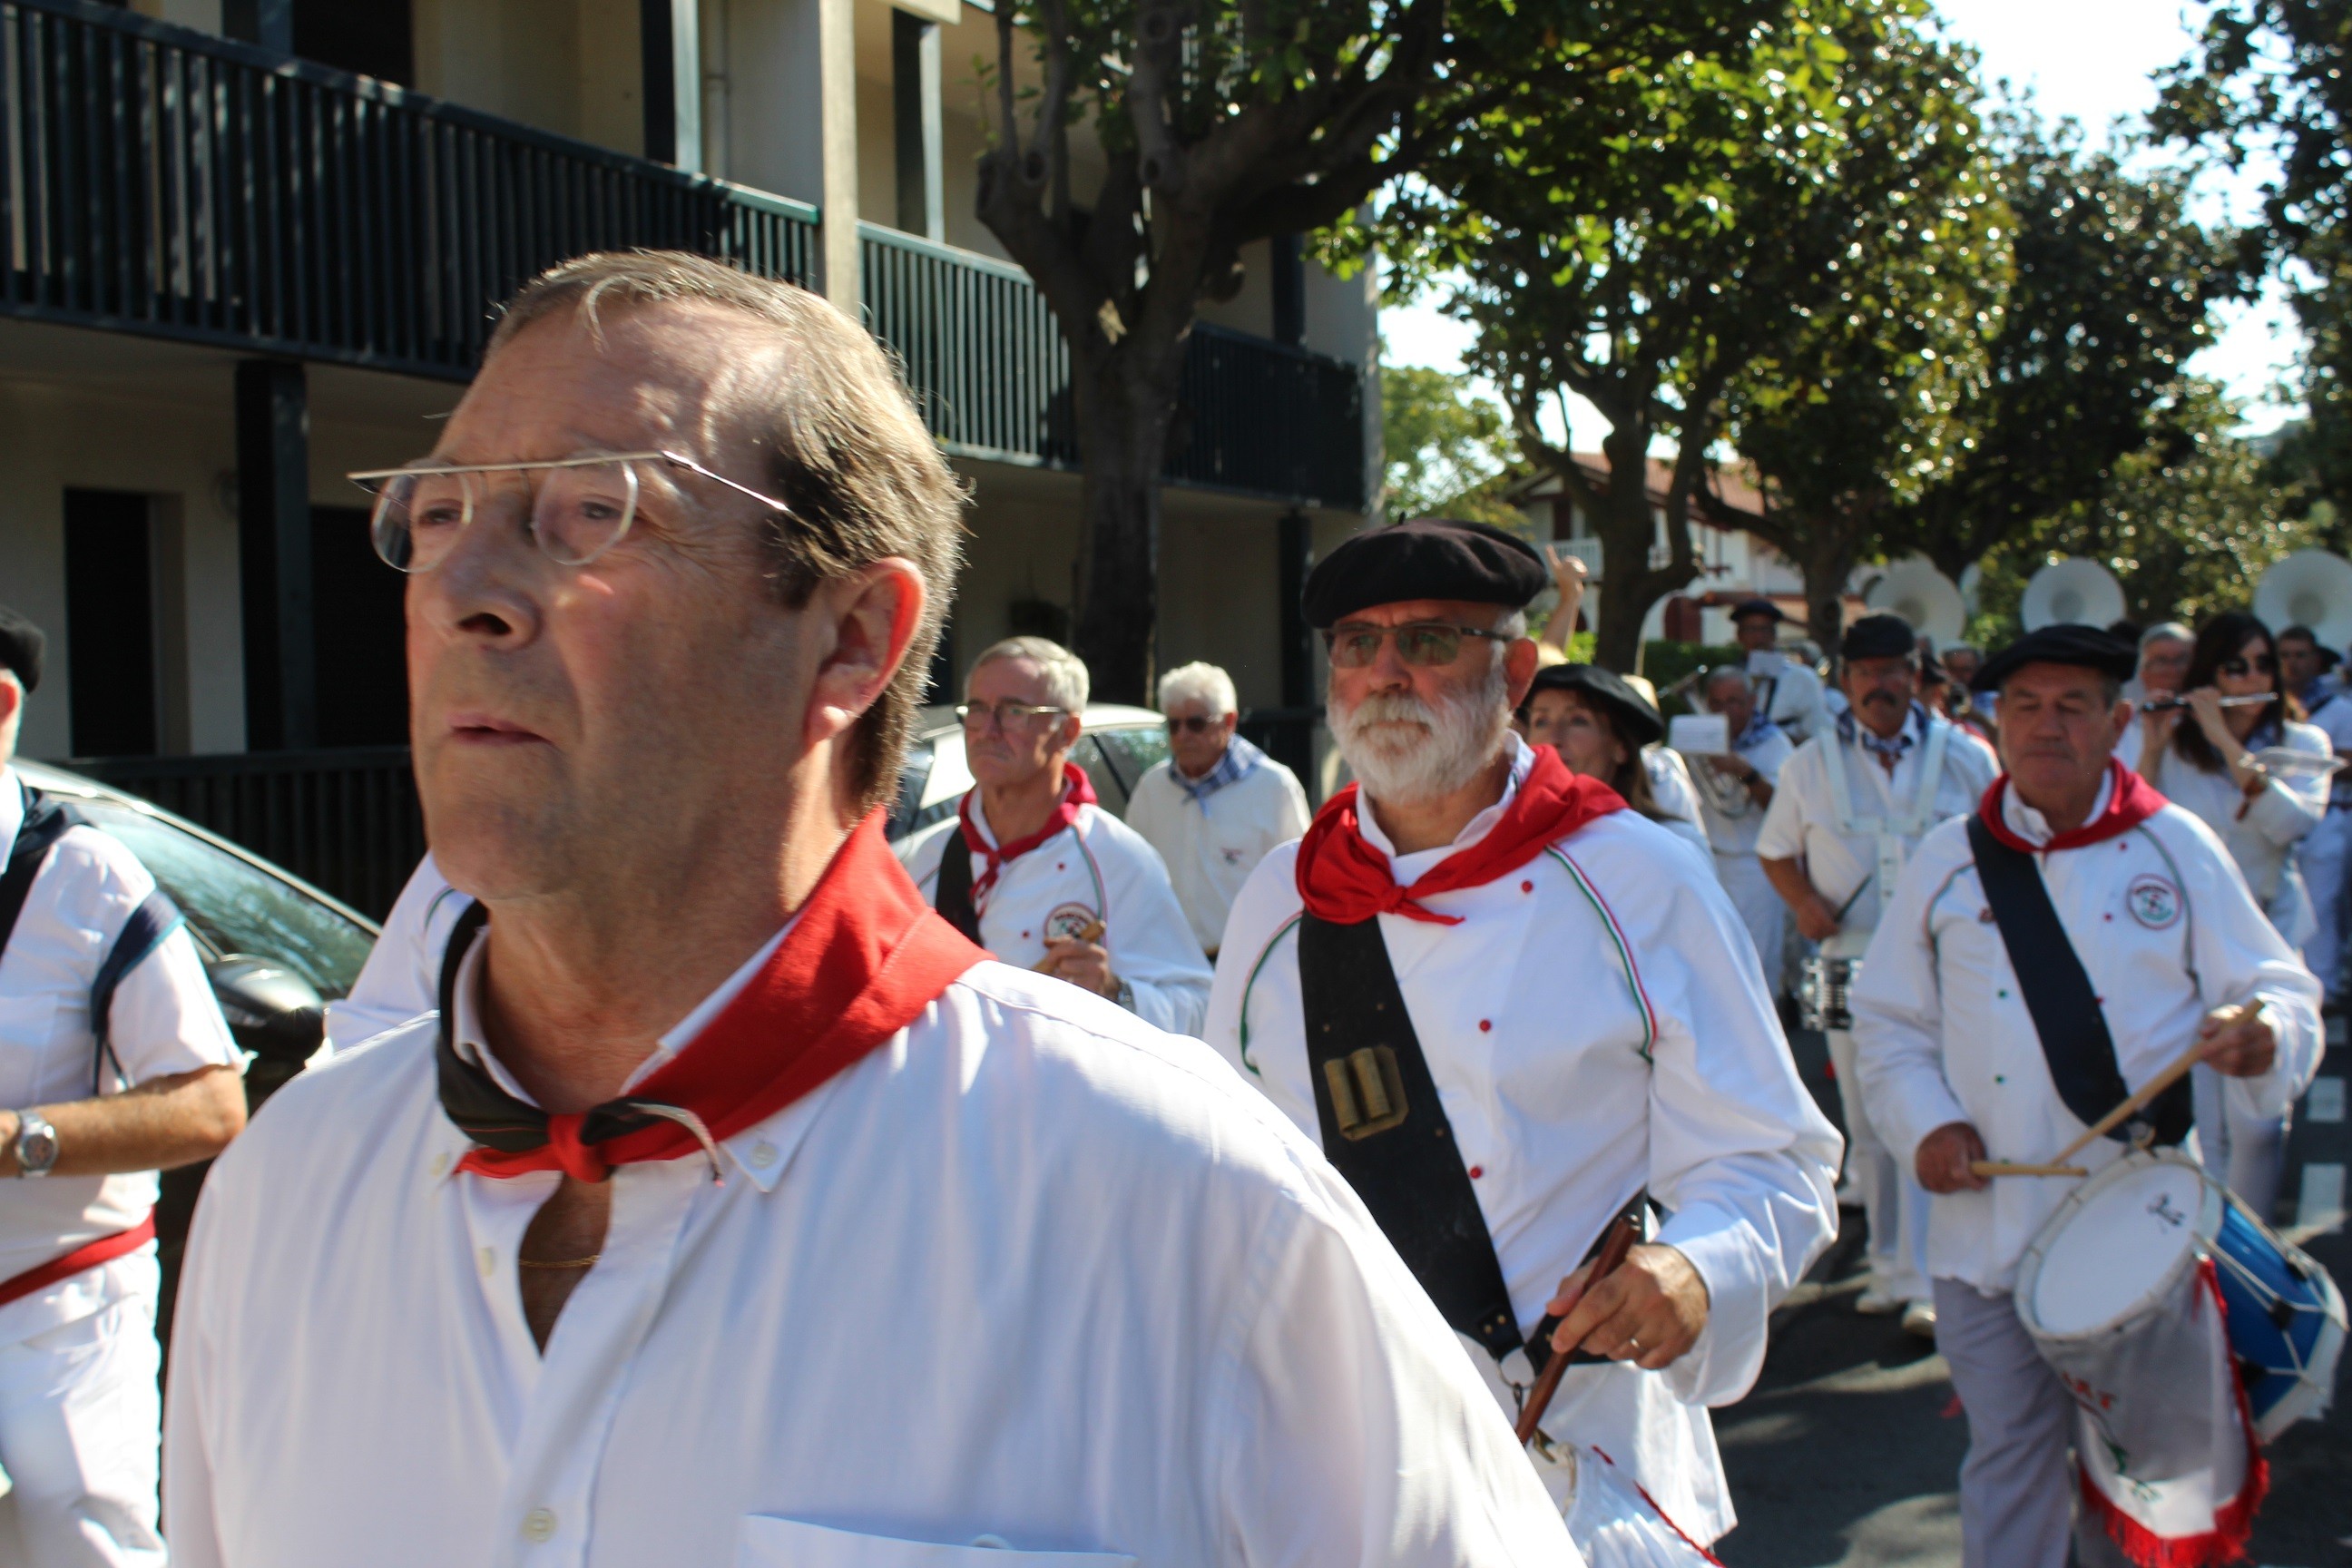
(1205, 684)
(1066, 682)
(1730, 675)
(2165, 631)
(843, 446)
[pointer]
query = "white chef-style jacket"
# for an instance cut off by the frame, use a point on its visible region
(1794, 700)
(1213, 842)
(2263, 841)
(165, 1023)
(1030, 1283)
(1097, 869)
(1678, 796)
(402, 973)
(1595, 1025)
(1802, 822)
(2165, 929)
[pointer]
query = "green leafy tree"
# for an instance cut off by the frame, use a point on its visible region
(1448, 450)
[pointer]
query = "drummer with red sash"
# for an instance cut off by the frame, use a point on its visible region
(735, 1209)
(1512, 1010)
(2139, 937)
(114, 1063)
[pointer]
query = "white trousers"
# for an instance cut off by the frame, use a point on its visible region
(1892, 1197)
(1760, 909)
(2326, 857)
(81, 1423)
(2017, 1484)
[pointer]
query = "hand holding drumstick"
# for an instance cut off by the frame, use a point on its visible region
(1081, 960)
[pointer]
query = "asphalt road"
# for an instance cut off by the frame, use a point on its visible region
(1848, 1450)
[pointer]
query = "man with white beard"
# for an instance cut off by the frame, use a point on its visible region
(1513, 1011)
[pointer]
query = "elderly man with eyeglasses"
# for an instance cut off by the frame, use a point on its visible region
(734, 1207)
(1217, 804)
(1515, 1011)
(1046, 878)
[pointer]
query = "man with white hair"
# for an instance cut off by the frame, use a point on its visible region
(1217, 804)
(1041, 876)
(1515, 1011)
(2165, 650)
(1736, 789)
(114, 1063)
(734, 1208)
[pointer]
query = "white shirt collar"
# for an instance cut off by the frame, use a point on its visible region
(2032, 825)
(466, 1036)
(1406, 868)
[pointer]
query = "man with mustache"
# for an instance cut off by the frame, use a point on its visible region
(1851, 805)
(734, 1208)
(1512, 1009)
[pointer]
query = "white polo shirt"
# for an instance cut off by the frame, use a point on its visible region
(165, 1021)
(2165, 930)
(1031, 1277)
(1212, 843)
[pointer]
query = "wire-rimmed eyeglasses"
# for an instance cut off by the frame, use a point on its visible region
(577, 507)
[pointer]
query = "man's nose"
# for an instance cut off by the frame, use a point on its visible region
(484, 587)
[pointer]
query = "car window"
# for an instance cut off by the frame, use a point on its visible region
(235, 906)
(1134, 750)
(1110, 790)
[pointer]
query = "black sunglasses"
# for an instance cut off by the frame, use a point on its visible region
(1192, 724)
(2236, 668)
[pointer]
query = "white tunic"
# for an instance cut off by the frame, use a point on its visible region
(1802, 822)
(1732, 818)
(2165, 929)
(165, 1021)
(1031, 1275)
(1794, 700)
(1212, 844)
(1595, 1025)
(1676, 795)
(2261, 840)
(1097, 869)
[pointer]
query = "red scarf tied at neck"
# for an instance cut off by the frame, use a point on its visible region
(2131, 800)
(1076, 791)
(1344, 880)
(864, 957)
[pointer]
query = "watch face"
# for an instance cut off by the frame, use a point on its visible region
(36, 1147)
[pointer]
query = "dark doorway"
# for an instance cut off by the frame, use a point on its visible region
(360, 636)
(373, 37)
(110, 623)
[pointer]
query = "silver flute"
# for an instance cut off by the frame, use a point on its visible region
(2166, 704)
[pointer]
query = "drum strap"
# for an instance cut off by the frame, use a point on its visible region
(2075, 1041)
(951, 894)
(1384, 1129)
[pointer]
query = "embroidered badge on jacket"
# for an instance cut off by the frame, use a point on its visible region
(2153, 901)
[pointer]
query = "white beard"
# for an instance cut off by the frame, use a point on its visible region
(1406, 751)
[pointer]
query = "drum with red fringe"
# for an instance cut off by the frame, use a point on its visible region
(2123, 1291)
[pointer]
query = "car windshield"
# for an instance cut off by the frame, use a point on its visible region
(235, 907)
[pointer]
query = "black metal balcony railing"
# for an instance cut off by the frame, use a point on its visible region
(163, 180)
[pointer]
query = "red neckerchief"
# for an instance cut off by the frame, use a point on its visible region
(864, 957)
(1346, 881)
(2131, 800)
(1076, 791)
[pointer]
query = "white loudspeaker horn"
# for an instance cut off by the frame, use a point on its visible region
(1922, 595)
(2075, 592)
(2309, 588)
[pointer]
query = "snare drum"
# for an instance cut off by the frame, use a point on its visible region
(1824, 992)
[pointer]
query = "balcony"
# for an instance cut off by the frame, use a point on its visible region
(167, 183)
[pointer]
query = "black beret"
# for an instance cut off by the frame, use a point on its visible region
(21, 645)
(1431, 558)
(1765, 607)
(1635, 713)
(1880, 635)
(2085, 646)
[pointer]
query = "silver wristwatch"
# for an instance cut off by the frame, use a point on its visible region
(37, 1144)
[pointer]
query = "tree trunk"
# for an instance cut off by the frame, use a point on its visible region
(1828, 564)
(1124, 413)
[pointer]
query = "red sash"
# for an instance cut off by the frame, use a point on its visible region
(105, 1249)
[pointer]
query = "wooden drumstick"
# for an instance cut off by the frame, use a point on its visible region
(1622, 1233)
(1091, 931)
(2015, 1168)
(2146, 1091)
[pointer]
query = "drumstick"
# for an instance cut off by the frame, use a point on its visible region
(2013, 1168)
(1620, 1241)
(1091, 931)
(2148, 1091)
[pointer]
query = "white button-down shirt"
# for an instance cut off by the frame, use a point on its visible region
(1596, 1025)
(1212, 845)
(1031, 1277)
(164, 1022)
(1802, 822)
(2167, 932)
(402, 973)
(2263, 840)
(1097, 869)
(1734, 821)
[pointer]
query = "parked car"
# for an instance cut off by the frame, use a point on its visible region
(275, 949)
(1116, 745)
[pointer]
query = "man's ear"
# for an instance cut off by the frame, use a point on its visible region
(865, 623)
(1520, 669)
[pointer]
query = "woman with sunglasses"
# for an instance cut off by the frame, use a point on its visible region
(2233, 765)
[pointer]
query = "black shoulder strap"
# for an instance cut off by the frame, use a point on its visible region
(45, 822)
(952, 895)
(2066, 1010)
(1384, 1129)
(156, 917)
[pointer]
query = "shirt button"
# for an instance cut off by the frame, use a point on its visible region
(1527, 886)
(486, 1259)
(539, 1524)
(1485, 1026)
(1477, 1171)
(764, 1154)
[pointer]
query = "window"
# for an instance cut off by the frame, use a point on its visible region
(109, 624)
